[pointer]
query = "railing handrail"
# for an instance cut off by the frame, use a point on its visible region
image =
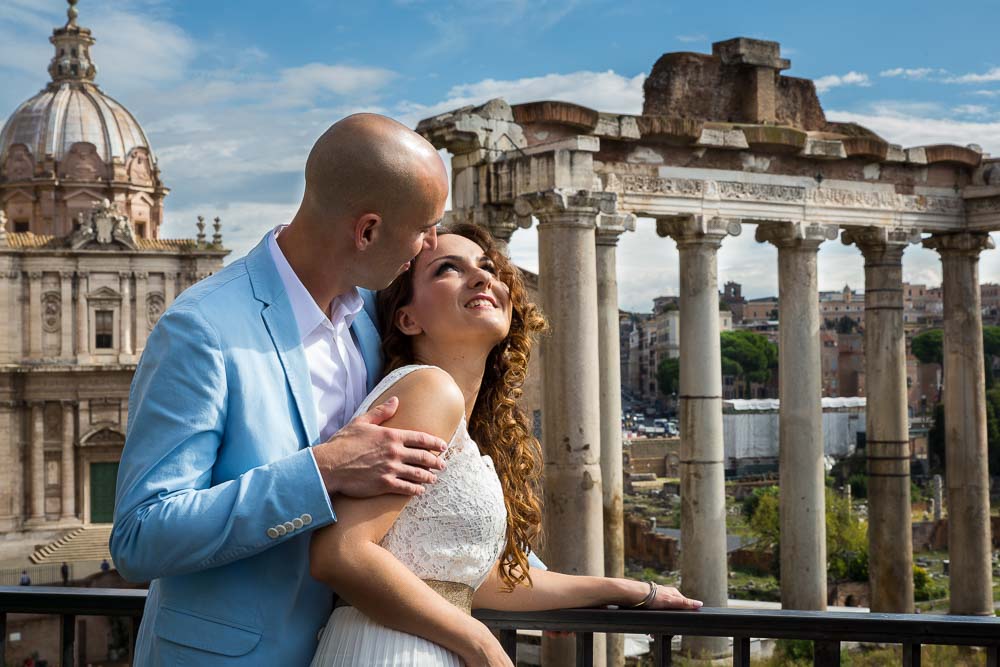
(77, 601)
(769, 623)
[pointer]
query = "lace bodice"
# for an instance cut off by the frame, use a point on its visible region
(455, 530)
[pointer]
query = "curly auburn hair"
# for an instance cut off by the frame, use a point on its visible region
(498, 425)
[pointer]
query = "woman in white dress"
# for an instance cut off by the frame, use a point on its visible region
(458, 335)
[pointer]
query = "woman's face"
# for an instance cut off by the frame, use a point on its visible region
(457, 296)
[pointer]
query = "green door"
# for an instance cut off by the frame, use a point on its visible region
(103, 477)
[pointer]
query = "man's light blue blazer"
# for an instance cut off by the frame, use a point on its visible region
(217, 489)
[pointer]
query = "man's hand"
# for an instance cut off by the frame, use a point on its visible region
(364, 459)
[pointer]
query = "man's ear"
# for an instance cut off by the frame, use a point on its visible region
(406, 323)
(366, 230)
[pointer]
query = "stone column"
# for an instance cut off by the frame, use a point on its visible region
(35, 314)
(125, 317)
(800, 432)
(704, 572)
(37, 458)
(68, 463)
(571, 404)
(169, 289)
(890, 535)
(66, 318)
(82, 318)
(609, 228)
(141, 319)
(965, 422)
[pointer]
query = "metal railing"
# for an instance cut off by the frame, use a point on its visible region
(826, 630)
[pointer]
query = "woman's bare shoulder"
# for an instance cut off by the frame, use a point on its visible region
(429, 401)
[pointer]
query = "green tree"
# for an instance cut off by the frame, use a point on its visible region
(748, 356)
(668, 376)
(927, 346)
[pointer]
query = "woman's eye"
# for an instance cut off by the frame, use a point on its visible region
(489, 267)
(445, 266)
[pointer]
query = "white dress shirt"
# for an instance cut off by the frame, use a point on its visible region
(336, 368)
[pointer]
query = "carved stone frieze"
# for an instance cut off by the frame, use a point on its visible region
(931, 204)
(761, 192)
(869, 199)
(983, 205)
(682, 187)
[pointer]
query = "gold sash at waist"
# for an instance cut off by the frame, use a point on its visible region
(454, 592)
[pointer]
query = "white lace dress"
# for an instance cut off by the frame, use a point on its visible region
(454, 531)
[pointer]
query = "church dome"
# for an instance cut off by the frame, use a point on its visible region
(72, 109)
(71, 146)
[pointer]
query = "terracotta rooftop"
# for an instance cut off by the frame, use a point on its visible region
(30, 240)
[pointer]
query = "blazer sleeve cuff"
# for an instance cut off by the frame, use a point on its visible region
(322, 486)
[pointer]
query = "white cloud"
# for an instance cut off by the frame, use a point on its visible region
(605, 91)
(243, 223)
(692, 39)
(913, 130)
(987, 93)
(970, 110)
(825, 83)
(910, 73)
(992, 74)
(302, 85)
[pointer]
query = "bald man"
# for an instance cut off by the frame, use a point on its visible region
(240, 425)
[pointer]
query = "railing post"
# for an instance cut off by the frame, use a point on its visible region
(993, 656)
(911, 654)
(3, 635)
(68, 640)
(826, 653)
(584, 649)
(508, 640)
(741, 652)
(662, 656)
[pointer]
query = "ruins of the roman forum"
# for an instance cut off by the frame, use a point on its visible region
(724, 142)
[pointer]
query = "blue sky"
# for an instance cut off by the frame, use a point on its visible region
(232, 94)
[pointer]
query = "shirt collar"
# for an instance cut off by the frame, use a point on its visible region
(308, 315)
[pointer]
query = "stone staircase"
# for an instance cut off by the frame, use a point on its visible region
(86, 543)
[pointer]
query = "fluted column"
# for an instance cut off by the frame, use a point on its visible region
(571, 404)
(609, 228)
(68, 463)
(965, 423)
(704, 572)
(800, 431)
(66, 318)
(125, 316)
(82, 317)
(141, 310)
(890, 536)
(34, 314)
(37, 458)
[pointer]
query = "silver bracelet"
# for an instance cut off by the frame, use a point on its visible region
(649, 596)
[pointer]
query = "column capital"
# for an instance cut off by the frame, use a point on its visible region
(141, 275)
(13, 275)
(795, 234)
(881, 243)
(610, 226)
(558, 207)
(69, 402)
(698, 229)
(125, 274)
(500, 219)
(35, 275)
(67, 274)
(962, 243)
(170, 275)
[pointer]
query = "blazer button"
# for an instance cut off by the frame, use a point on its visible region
(297, 523)
(289, 526)
(272, 532)
(281, 529)
(306, 519)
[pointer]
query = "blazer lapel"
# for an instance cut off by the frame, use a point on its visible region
(280, 322)
(365, 328)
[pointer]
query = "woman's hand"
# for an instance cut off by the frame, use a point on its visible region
(668, 597)
(488, 652)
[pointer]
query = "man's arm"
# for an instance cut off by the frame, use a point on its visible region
(169, 516)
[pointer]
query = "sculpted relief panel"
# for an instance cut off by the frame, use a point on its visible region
(83, 163)
(51, 312)
(154, 308)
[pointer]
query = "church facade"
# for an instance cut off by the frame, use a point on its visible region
(84, 276)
